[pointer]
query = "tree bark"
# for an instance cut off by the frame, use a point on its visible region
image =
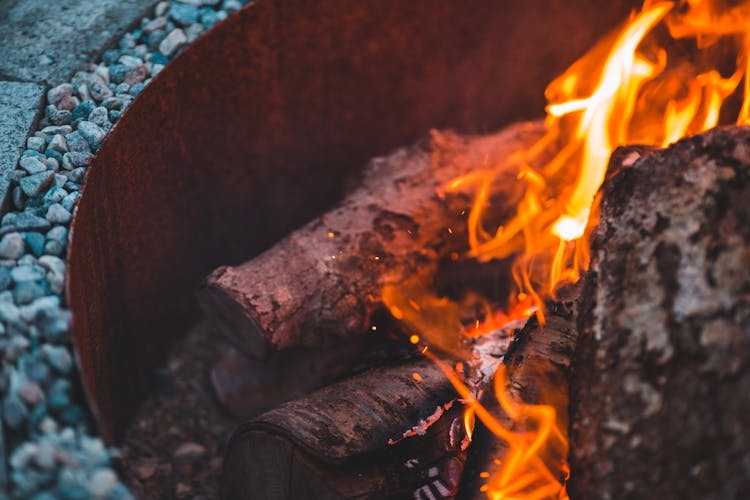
(659, 394)
(324, 281)
(334, 443)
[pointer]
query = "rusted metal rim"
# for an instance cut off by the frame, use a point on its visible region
(254, 129)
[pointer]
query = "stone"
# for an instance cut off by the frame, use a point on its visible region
(68, 103)
(137, 88)
(33, 153)
(56, 94)
(35, 243)
(57, 214)
(30, 393)
(92, 132)
(55, 195)
(76, 143)
(55, 268)
(32, 165)
(209, 18)
(11, 246)
(117, 72)
(51, 153)
(194, 31)
(58, 143)
(83, 110)
(99, 115)
(36, 144)
(44, 307)
(4, 278)
(33, 185)
(120, 89)
(102, 482)
(98, 88)
(130, 61)
(61, 117)
(69, 202)
(9, 312)
(158, 23)
(158, 59)
(112, 103)
(231, 6)
(26, 292)
(52, 164)
(136, 74)
(173, 41)
(183, 14)
(161, 8)
(75, 160)
(26, 221)
(53, 247)
(14, 411)
(20, 274)
(58, 357)
(57, 129)
(60, 180)
(102, 72)
(58, 233)
(77, 175)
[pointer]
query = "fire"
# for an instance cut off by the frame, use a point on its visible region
(675, 68)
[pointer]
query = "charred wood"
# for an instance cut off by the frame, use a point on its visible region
(537, 365)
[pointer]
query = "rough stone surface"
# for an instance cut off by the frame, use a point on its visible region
(43, 41)
(19, 105)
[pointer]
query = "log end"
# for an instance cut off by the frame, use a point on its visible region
(231, 320)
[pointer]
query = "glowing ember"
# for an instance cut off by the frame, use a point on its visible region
(662, 76)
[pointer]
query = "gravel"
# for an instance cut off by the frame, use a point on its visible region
(49, 450)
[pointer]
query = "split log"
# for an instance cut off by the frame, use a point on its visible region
(334, 443)
(324, 280)
(659, 393)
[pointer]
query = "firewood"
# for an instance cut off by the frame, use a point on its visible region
(661, 377)
(537, 367)
(354, 439)
(324, 281)
(247, 387)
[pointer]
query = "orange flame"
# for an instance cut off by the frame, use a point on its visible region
(663, 75)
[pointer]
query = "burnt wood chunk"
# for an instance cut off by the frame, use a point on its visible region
(354, 439)
(661, 376)
(324, 280)
(537, 366)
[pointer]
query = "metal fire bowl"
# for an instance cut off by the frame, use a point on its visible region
(252, 131)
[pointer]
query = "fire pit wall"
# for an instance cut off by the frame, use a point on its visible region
(254, 130)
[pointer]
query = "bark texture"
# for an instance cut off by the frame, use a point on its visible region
(659, 396)
(334, 443)
(324, 280)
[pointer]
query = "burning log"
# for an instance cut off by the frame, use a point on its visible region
(353, 440)
(325, 280)
(536, 371)
(661, 376)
